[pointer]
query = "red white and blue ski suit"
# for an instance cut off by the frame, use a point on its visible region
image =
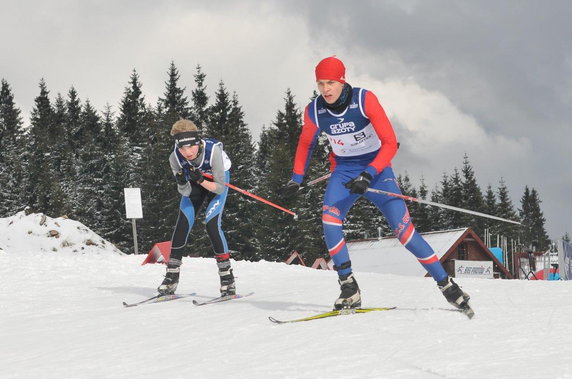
(362, 139)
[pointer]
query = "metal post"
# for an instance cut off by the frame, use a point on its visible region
(135, 236)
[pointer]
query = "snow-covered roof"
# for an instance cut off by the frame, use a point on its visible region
(388, 256)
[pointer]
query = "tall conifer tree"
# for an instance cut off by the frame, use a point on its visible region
(12, 176)
(110, 208)
(422, 218)
(45, 192)
(200, 100)
(533, 233)
(133, 124)
(505, 209)
(472, 199)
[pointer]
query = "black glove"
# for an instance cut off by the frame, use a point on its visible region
(196, 175)
(180, 178)
(360, 184)
(289, 190)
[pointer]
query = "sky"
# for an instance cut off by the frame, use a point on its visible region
(61, 316)
(487, 79)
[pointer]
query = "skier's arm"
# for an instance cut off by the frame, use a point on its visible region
(374, 111)
(217, 185)
(306, 143)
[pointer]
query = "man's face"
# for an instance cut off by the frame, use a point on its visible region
(330, 90)
(189, 152)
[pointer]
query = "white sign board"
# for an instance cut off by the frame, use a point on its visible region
(133, 207)
(474, 269)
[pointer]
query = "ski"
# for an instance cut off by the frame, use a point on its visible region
(333, 313)
(468, 311)
(157, 299)
(221, 299)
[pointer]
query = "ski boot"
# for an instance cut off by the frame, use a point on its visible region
(454, 294)
(350, 296)
(227, 287)
(171, 280)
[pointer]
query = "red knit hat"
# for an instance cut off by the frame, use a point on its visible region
(331, 68)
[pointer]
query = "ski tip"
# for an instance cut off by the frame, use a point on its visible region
(275, 320)
(468, 312)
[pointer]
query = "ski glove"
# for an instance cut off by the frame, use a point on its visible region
(289, 190)
(360, 184)
(196, 175)
(180, 178)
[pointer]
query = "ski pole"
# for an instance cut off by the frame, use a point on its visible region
(318, 180)
(409, 198)
(256, 197)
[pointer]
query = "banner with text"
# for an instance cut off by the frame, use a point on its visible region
(474, 269)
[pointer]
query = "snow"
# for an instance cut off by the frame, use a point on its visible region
(61, 317)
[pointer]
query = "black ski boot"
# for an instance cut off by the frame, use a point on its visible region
(350, 296)
(454, 294)
(227, 287)
(171, 280)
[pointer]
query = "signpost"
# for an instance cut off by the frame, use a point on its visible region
(133, 209)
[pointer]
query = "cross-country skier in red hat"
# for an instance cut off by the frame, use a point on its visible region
(363, 144)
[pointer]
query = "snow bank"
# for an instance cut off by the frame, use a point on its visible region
(37, 232)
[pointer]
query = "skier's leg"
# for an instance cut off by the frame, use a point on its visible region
(213, 219)
(185, 221)
(337, 202)
(396, 212)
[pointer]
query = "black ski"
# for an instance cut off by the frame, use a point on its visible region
(221, 299)
(158, 299)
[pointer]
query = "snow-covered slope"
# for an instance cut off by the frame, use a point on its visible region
(61, 317)
(37, 232)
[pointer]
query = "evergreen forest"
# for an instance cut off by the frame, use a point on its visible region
(73, 160)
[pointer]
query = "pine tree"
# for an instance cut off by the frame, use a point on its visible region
(505, 209)
(490, 207)
(455, 198)
(490, 199)
(275, 230)
(239, 208)
(422, 218)
(175, 102)
(70, 145)
(110, 221)
(436, 214)
(89, 164)
(533, 232)
(133, 123)
(200, 99)
(472, 198)
(12, 175)
(44, 190)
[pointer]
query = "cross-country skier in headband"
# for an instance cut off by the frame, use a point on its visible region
(191, 157)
